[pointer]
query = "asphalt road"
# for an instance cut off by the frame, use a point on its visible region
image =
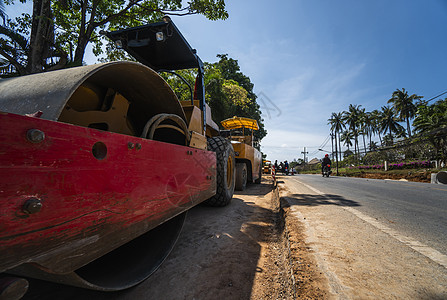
(414, 209)
(373, 239)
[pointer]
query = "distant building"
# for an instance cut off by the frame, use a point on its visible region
(314, 161)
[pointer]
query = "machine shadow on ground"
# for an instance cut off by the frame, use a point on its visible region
(260, 190)
(216, 256)
(314, 200)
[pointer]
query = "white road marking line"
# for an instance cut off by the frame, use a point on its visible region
(423, 249)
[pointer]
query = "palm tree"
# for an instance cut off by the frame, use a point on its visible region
(346, 138)
(431, 122)
(372, 146)
(389, 122)
(2, 11)
(376, 116)
(363, 130)
(403, 106)
(15, 48)
(369, 126)
(352, 119)
(336, 121)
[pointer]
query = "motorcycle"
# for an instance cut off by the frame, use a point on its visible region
(286, 170)
(327, 170)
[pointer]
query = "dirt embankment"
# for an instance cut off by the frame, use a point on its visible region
(308, 281)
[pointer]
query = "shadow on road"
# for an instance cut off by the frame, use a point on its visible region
(314, 200)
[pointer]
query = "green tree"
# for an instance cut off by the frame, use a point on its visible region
(403, 106)
(431, 117)
(63, 29)
(389, 123)
(337, 125)
(238, 97)
(388, 139)
(369, 127)
(376, 117)
(348, 153)
(352, 120)
(182, 90)
(297, 163)
(224, 94)
(215, 95)
(431, 123)
(372, 146)
(244, 107)
(346, 138)
(363, 127)
(40, 52)
(3, 62)
(13, 47)
(2, 11)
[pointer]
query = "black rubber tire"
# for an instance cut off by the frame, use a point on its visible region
(258, 181)
(225, 178)
(241, 176)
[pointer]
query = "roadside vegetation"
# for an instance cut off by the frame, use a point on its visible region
(374, 139)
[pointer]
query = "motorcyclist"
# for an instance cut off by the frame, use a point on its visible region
(326, 161)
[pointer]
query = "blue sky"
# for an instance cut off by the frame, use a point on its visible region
(312, 58)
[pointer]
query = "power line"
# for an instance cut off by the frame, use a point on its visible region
(325, 142)
(433, 98)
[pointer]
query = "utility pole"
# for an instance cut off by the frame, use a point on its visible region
(332, 142)
(336, 151)
(304, 152)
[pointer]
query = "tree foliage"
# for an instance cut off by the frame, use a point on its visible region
(2, 11)
(228, 91)
(352, 118)
(337, 126)
(346, 137)
(431, 123)
(242, 107)
(389, 122)
(59, 31)
(404, 106)
(429, 139)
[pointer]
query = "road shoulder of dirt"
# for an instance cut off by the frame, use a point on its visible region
(309, 282)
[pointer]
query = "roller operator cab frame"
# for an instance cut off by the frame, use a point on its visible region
(248, 158)
(99, 164)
